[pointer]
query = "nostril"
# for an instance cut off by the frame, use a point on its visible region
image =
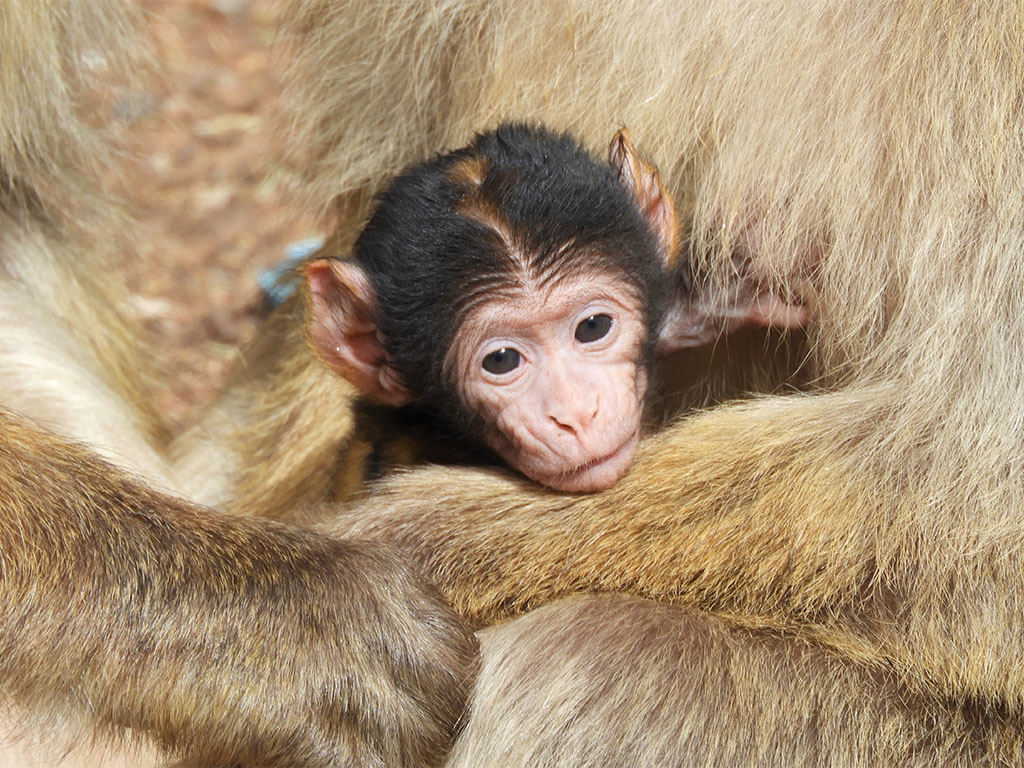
(578, 418)
(563, 426)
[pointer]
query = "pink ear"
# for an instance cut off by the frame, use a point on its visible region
(341, 330)
(644, 183)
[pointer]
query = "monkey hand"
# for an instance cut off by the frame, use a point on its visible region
(351, 661)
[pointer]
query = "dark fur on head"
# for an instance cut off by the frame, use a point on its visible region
(519, 203)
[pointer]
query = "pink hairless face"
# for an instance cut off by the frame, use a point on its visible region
(556, 380)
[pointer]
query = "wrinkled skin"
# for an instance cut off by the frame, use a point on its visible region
(568, 411)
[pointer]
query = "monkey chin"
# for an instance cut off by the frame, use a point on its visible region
(598, 474)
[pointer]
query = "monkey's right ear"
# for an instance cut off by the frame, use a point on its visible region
(642, 180)
(341, 330)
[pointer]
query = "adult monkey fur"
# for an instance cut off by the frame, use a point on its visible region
(128, 613)
(221, 639)
(859, 546)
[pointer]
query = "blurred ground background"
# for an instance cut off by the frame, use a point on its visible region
(202, 144)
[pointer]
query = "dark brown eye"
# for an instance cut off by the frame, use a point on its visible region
(502, 361)
(593, 328)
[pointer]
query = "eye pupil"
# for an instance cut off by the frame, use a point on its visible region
(502, 360)
(593, 328)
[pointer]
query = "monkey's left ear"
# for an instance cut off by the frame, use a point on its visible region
(339, 321)
(644, 183)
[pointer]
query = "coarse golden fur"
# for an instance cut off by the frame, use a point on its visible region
(626, 682)
(868, 160)
(67, 342)
(224, 640)
(270, 442)
(137, 627)
(855, 548)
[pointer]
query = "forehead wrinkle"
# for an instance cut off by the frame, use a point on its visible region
(542, 275)
(530, 303)
(551, 268)
(485, 289)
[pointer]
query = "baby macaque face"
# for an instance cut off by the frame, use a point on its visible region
(516, 288)
(556, 379)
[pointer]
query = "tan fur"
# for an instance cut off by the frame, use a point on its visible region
(646, 684)
(136, 627)
(484, 212)
(46, 374)
(55, 221)
(868, 157)
(271, 441)
(469, 172)
(66, 275)
(224, 641)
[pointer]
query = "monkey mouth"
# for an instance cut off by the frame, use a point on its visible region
(598, 473)
(608, 457)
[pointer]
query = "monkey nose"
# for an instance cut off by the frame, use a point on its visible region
(575, 417)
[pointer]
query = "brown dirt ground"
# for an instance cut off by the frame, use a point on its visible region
(202, 142)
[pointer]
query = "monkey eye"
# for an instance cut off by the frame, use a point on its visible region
(502, 361)
(593, 328)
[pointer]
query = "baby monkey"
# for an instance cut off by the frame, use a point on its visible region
(517, 289)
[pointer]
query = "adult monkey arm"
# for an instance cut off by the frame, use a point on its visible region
(770, 513)
(225, 640)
